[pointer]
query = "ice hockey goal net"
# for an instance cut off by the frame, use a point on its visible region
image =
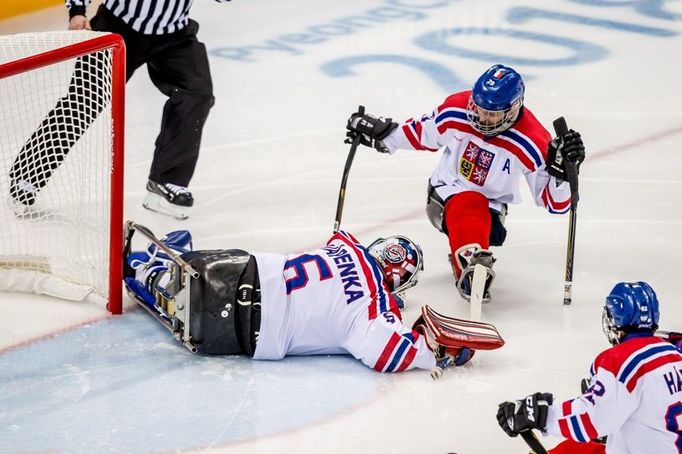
(61, 164)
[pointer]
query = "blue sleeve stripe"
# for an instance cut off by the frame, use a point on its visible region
(577, 430)
(376, 273)
(397, 355)
(553, 211)
(409, 336)
(640, 358)
(456, 114)
(378, 278)
(525, 145)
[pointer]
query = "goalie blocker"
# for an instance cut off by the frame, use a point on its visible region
(454, 341)
(211, 301)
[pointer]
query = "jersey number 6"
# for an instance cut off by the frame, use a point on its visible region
(296, 274)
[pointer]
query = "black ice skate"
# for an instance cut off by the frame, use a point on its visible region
(23, 192)
(170, 199)
(22, 198)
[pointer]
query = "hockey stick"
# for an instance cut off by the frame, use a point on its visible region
(355, 141)
(532, 441)
(670, 336)
(561, 128)
(477, 291)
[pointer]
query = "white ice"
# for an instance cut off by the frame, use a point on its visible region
(74, 380)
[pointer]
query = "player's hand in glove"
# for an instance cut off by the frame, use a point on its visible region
(522, 415)
(372, 130)
(567, 147)
(446, 356)
(450, 356)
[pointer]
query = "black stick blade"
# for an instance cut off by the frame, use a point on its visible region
(560, 126)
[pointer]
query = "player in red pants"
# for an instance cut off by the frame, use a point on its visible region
(489, 141)
(574, 447)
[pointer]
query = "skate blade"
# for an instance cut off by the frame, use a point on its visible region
(158, 204)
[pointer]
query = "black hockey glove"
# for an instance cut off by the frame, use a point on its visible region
(522, 415)
(372, 130)
(567, 147)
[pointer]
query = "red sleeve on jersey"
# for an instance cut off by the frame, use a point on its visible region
(633, 359)
(449, 115)
(340, 235)
(533, 129)
(398, 353)
(612, 359)
(456, 100)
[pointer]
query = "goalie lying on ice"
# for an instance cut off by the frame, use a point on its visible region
(341, 298)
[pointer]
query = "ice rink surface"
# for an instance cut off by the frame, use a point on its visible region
(287, 74)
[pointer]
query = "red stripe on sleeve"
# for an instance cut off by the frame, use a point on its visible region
(388, 351)
(589, 427)
(516, 151)
(418, 129)
(407, 360)
(566, 407)
(457, 126)
(563, 426)
(557, 205)
(648, 367)
(412, 138)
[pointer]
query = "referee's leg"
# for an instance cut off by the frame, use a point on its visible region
(182, 73)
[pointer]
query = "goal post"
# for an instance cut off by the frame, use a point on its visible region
(61, 164)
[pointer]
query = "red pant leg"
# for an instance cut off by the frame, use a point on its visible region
(468, 220)
(574, 447)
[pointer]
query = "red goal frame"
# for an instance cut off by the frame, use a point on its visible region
(115, 43)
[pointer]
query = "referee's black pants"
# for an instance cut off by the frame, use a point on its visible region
(178, 66)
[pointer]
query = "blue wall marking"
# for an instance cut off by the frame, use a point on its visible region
(520, 15)
(583, 51)
(440, 74)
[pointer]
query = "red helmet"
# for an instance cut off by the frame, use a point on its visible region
(401, 260)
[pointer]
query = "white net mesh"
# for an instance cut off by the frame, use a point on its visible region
(56, 162)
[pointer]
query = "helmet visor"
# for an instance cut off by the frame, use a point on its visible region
(609, 327)
(491, 122)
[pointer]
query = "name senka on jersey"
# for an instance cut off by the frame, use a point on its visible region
(352, 286)
(334, 300)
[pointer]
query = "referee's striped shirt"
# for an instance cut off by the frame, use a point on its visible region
(151, 17)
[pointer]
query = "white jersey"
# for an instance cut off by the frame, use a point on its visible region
(634, 398)
(491, 166)
(334, 301)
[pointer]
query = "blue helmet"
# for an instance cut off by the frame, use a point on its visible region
(496, 100)
(630, 307)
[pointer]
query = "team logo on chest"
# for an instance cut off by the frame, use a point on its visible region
(475, 164)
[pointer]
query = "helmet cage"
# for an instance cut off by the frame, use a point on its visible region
(492, 122)
(496, 100)
(400, 259)
(608, 326)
